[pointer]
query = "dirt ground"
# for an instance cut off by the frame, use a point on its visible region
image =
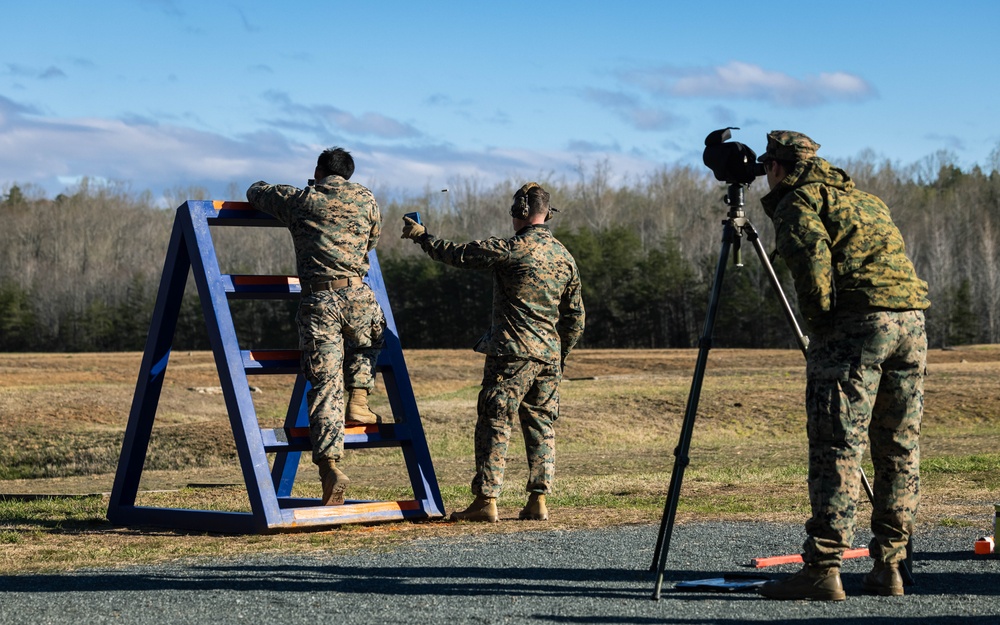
(63, 416)
(67, 412)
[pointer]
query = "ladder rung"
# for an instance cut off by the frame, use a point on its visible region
(261, 287)
(364, 510)
(271, 361)
(240, 214)
(285, 439)
(357, 436)
(284, 361)
(385, 435)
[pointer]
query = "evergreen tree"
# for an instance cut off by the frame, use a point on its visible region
(963, 323)
(17, 319)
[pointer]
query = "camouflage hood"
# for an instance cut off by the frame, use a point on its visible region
(841, 246)
(809, 171)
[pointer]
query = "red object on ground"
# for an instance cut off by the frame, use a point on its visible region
(984, 546)
(792, 559)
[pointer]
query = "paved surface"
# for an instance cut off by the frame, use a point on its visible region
(578, 577)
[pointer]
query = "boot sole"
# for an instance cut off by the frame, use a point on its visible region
(362, 419)
(476, 516)
(476, 520)
(336, 497)
(785, 594)
(356, 422)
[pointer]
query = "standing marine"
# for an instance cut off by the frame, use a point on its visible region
(862, 304)
(538, 317)
(334, 223)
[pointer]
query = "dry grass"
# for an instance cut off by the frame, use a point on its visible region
(62, 417)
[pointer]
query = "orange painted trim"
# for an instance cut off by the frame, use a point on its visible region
(233, 206)
(361, 429)
(351, 509)
(277, 354)
(267, 280)
(303, 432)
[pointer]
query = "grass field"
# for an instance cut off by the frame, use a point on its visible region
(62, 417)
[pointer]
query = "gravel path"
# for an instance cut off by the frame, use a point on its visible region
(592, 576)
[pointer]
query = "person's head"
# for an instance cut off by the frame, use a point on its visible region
(531, 204)
(335, 162)
(784, 149)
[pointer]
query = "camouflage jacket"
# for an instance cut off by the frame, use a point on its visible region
(537, 300)
(841, 245)
(334, 224)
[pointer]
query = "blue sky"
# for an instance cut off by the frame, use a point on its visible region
(170, 94)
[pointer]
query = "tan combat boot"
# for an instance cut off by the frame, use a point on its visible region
(334, 483)
(884, 580)
(535, 510)
(483, 509)
(819, 583)
(358, 411)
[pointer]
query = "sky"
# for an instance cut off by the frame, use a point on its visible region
(170, 95)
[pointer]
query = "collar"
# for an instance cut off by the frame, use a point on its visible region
(330, 181)
(530, 227)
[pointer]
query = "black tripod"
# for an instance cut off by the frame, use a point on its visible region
(733, 229)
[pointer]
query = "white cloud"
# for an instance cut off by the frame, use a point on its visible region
(51, 152)
(630, 109)
(326, 120)
(144, 154)
(25, 71)
(748, 81)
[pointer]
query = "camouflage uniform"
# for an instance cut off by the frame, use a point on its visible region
(334, 224)
(863, 306)
(538, 317)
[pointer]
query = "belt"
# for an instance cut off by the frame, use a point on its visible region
(330, 285)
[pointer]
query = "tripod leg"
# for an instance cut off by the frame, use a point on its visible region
(776, 286)
(687, 428)
(867, 486)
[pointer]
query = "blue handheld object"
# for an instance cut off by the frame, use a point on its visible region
(414, 216)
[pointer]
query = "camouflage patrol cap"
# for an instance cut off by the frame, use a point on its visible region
(788, 145)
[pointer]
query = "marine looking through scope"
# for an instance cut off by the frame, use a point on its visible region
(733, 162)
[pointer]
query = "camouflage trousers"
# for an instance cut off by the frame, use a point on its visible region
(865, 383)
(527, 390)
(340, 334)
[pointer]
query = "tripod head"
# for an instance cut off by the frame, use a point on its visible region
(734, 199)
(734, 163)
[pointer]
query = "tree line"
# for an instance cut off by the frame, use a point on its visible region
(79, 272)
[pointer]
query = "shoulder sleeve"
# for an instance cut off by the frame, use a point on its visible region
(375, 214)
(804, 244)
(473, 255)
(273, 199)
(572, 317)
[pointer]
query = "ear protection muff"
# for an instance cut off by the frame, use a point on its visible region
(519, 209)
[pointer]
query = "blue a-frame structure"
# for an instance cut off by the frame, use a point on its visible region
(269, 484)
